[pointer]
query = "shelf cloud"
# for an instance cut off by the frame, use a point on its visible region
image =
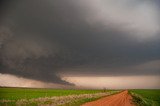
(45, 40)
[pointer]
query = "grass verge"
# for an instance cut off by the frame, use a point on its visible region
(45, 97)
(146, 97)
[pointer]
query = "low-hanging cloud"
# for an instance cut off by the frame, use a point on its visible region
(26, 57)
(14, 81)
(49, 37)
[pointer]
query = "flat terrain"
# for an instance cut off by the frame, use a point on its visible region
(51, 97)
(29, 93)
(120, 99)
(61, 97)
(145, 97)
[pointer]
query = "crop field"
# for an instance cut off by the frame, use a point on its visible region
(146, 97)
(56, 97)
(71, 97)
(29, 93)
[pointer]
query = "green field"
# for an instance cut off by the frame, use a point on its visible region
(28, 93)
(12, 96)
(58, 97)
(146, 97)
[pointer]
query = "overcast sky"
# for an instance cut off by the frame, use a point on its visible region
(56, 41)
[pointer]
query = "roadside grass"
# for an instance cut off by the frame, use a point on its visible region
(46, 103)
(81, 101)
(45, 97)
(29, 93)
(85, 100)
(145, 97)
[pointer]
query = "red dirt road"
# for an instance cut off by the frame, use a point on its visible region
(120, 99)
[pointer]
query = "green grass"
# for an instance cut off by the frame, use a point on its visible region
(81, 101)
(85, 100)
(146, 97)
(12, 96)
(26, 93)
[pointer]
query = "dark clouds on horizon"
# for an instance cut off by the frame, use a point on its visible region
(39, 39)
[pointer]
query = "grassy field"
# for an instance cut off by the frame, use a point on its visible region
(146, 97)
(28, 93)
(34, 97)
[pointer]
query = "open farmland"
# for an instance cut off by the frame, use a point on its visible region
(29, 93)
(146, 97)
(72, 97)
(34, 97)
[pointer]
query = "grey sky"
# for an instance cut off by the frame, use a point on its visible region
(42, 39)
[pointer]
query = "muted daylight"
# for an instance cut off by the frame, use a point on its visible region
(94, 48)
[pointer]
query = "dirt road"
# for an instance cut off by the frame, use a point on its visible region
(120, 99)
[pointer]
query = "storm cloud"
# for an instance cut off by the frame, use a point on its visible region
(44, 39)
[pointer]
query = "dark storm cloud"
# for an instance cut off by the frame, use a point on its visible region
(39, 38)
